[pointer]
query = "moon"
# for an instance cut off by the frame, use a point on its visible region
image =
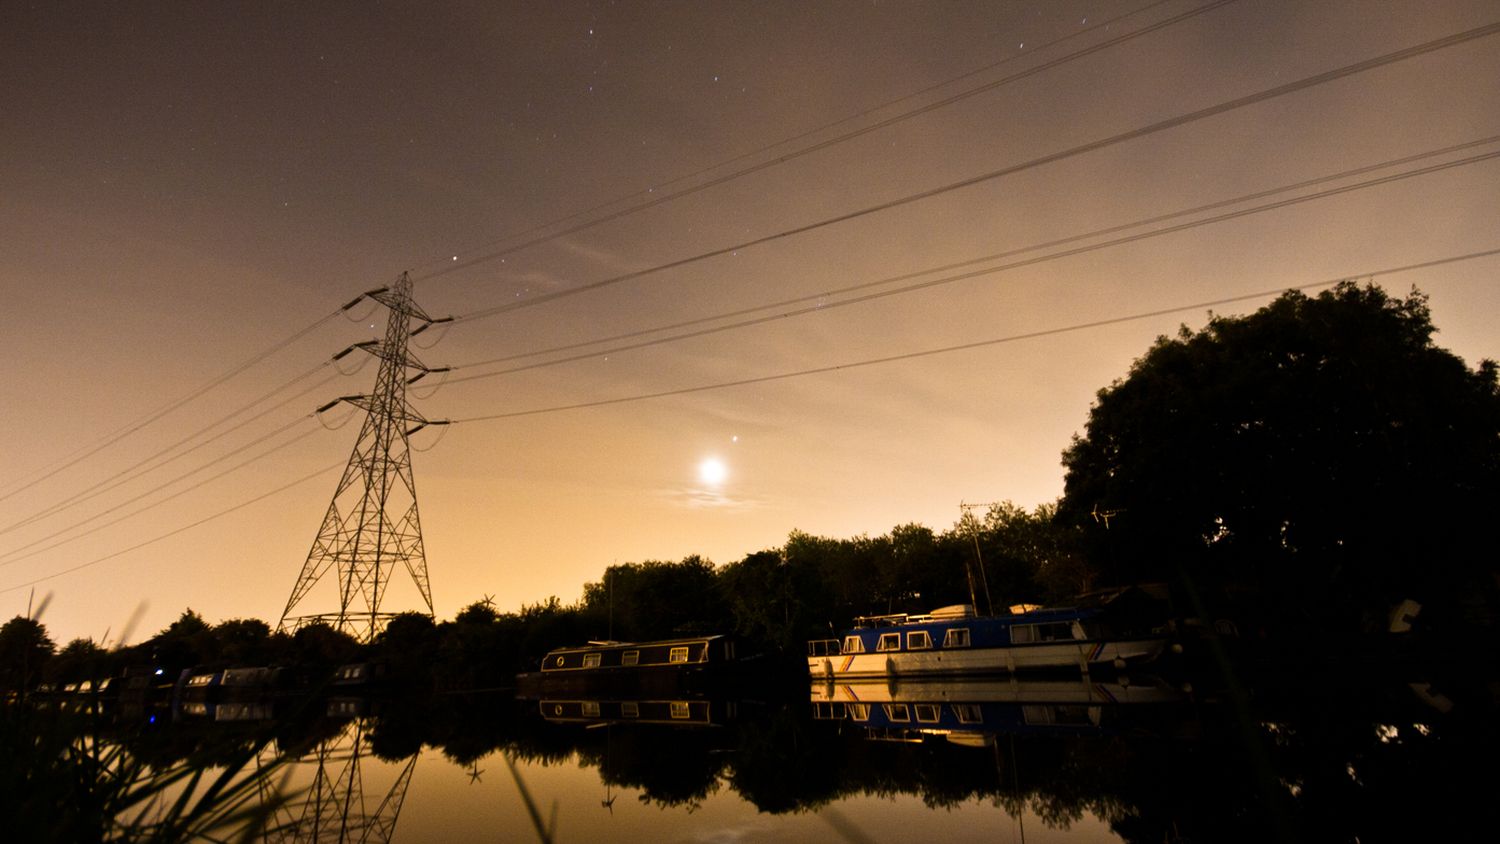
(712, 471)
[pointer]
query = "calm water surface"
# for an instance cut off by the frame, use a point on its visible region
(1355, 754)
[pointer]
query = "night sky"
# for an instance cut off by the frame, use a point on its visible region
(186, 186)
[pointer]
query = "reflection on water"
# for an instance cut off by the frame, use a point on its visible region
(973, 712)
(332, 799)
(1140, 759)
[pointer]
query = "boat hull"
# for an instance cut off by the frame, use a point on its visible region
(1080, 654)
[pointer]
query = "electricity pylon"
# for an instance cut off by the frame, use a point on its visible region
(372, 528)
(334, 806)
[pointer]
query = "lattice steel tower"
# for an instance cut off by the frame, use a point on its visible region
(372, 528)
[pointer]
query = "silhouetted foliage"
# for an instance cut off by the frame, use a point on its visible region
(1322, 453)
(243, 641)
(320, 648)
(409, 647)
(78, 660)
(186, 642)
(25, 649)
(655, 600)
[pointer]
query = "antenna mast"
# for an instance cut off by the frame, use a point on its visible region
(973, 525)
(372, 528)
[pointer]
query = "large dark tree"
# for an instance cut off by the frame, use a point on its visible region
(25, 649)
(1321, 454)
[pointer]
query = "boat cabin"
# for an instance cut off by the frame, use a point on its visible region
(956, 627)
(624, 656)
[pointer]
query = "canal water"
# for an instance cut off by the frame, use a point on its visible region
(1285, 755)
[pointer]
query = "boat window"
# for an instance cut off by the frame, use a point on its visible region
(591, 660)
(927, 713)
(859, 711)
(957, 637)
(918, 640)
(591, 709)
(630, 658)
(630, 709)
(854, 645)
(889, 642)
(1060, 714)
(678, 655)
(1052, 631)
(897, 712)
(968, 713)
(1055, 631)
(680, 709)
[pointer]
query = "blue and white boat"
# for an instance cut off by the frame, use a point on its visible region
(954, 641)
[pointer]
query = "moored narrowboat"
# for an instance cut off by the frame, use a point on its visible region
(954, 641)
(663, 664)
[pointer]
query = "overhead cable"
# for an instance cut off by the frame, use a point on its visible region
(141, 467)
(168, 535)
(52, 469)
(822, 305)
(1031, 335)
(1092, 146)
(21, 552)
(448, 266)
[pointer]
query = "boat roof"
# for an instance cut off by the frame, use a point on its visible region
(613, 645)
(965, 613)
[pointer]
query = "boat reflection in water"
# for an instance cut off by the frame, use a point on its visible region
(698, 712)
(973, 712)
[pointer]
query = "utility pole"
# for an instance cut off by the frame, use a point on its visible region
(372, 528)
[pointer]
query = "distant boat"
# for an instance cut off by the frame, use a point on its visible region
(667, 663)
(954, 641)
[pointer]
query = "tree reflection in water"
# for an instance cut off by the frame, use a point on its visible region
(1308, 756)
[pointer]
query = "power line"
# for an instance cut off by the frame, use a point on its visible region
(77, 457)
(15, 555)
(130, 473)
(788, 375)
(304, 479)
(822, 306)
(449, 267)
(1092, 146)
(1031, 335)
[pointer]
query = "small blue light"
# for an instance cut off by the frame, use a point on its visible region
(158, 672)
(153, 719)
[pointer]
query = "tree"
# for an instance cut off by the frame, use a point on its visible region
(656, 600)
(186, 642)
(80, 659)
(1029, 557)
(243, 641)
(320, 647)
(25, 649)
(1321, 452)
